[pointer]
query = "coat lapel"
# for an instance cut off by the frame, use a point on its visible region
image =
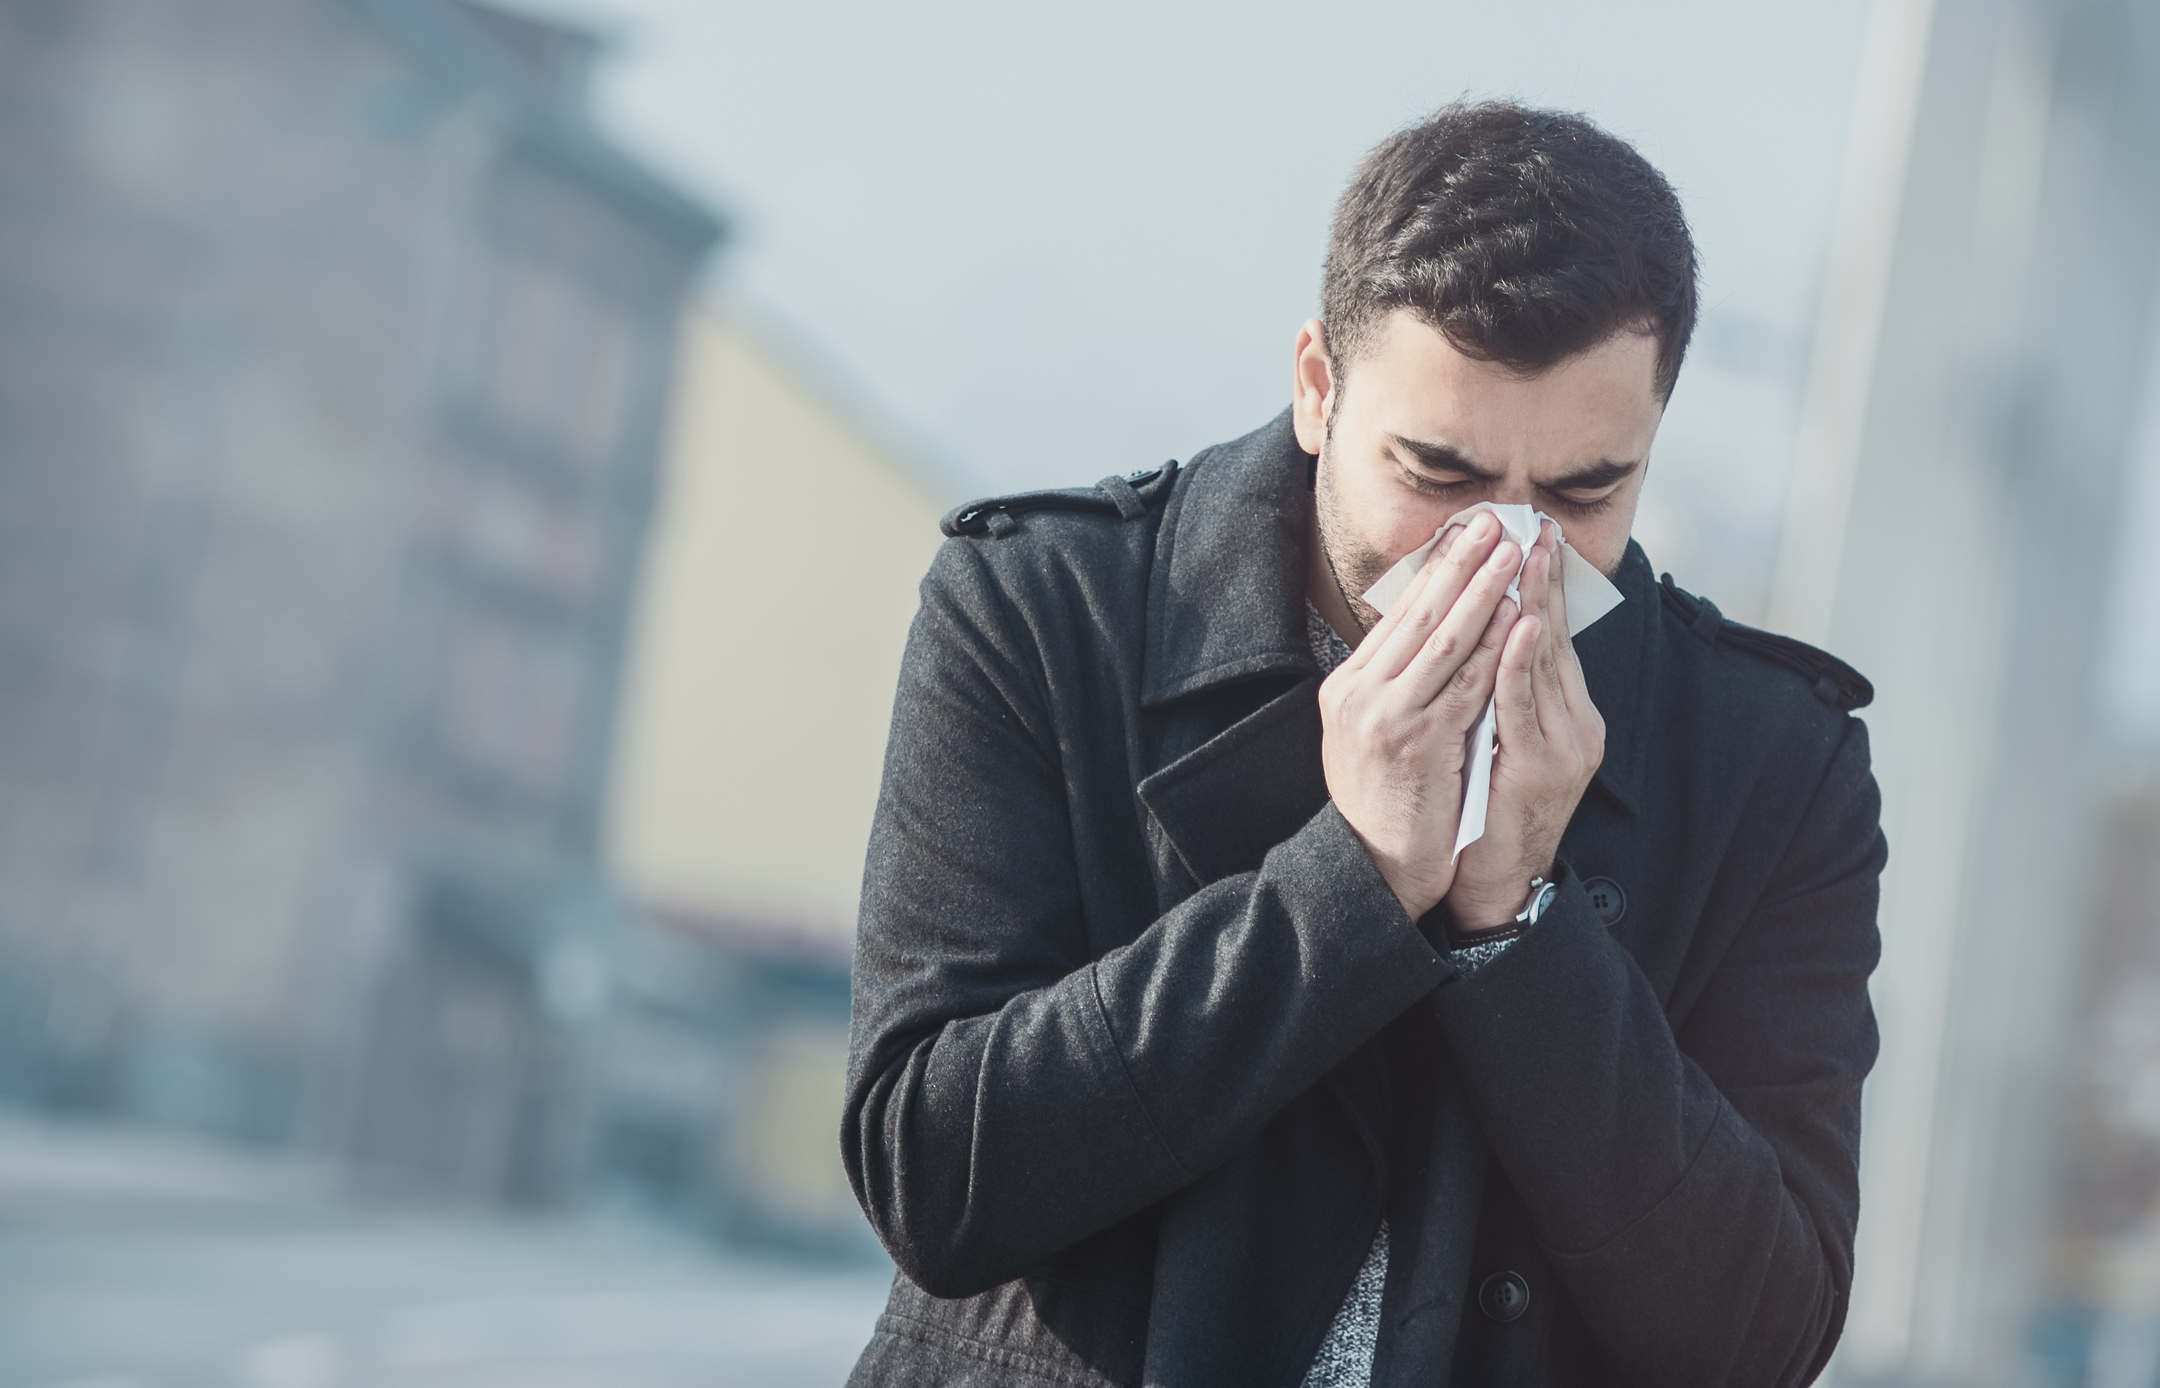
(1226, 596)
(1226, 781)
(1253, 1257)
(1618, 665)
(1224, 804)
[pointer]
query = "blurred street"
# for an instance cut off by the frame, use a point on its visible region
(132, 1260)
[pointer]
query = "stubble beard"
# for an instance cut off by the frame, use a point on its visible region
(1356, 565)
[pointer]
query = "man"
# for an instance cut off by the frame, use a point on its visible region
(1188, 1052)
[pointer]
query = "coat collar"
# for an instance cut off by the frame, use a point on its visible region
(1226, 598)
(1620, 662)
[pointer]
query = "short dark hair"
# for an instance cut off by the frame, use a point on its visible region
(1526, 236)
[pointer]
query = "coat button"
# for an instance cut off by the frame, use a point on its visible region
(1606, 899)
(1504, 1297)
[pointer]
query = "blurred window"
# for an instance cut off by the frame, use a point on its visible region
(560, 369)
(505, 529)
(510, 702)
(784, 1157)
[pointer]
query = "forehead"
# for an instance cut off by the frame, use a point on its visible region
(1600, 405)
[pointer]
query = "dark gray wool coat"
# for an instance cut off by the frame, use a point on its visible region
(1145, 1049)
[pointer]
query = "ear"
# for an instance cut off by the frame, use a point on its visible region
(1312, 386)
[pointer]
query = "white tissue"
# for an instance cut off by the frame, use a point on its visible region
(1590, 595)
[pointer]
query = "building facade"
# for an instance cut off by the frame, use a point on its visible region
(334, 352)
(1978, 363)
(779, 584)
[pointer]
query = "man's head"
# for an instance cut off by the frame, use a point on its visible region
(1508, 296)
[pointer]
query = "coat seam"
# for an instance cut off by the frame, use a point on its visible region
(1014, 623)
(1102, 1013)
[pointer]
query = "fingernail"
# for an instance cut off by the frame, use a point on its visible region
(1483, 525)
(1501, 558)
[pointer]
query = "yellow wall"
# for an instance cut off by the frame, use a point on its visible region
(780, 580)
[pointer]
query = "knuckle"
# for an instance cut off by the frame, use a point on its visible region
(1458, 707)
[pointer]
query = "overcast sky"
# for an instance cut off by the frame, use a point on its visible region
(1043, 244)
(1049, 243)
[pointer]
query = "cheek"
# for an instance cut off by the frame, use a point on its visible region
(1392, 517)
(1376, 522)
(1406, 535)
(1603, 540)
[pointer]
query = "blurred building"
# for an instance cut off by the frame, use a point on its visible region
(781, 582)
(1977, 374)
(334, 347)
(779, 585)
(2102, 1279)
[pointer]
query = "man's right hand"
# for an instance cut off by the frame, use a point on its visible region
(1397, 714)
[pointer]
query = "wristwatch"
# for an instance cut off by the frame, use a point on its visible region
(1541, 894)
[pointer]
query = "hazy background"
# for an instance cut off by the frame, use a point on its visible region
(1050, 244)
(1061, 239)
(464, 471)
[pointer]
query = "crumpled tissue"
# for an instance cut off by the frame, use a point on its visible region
(1590, 595)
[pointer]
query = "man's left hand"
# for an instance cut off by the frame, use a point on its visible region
(1552, 740)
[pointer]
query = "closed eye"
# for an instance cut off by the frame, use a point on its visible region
(1589, 490)
(1587, 507)
(1435, 486)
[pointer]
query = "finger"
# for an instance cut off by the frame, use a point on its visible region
(1427, 668)
(1537, 588)
(1450, 533)
(1425, 607)
(1559, 594)
(1407, 608)
(1515, 691)
(1362, 653)
(1571, 672)
(1463, 695)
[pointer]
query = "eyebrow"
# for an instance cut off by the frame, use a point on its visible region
(1445, 456)
(1591, 476)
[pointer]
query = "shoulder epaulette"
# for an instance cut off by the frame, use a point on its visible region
(1836, 683)
(1127, 498)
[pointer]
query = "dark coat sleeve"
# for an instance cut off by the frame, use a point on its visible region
(1698, 1193)
(1008, 1095)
